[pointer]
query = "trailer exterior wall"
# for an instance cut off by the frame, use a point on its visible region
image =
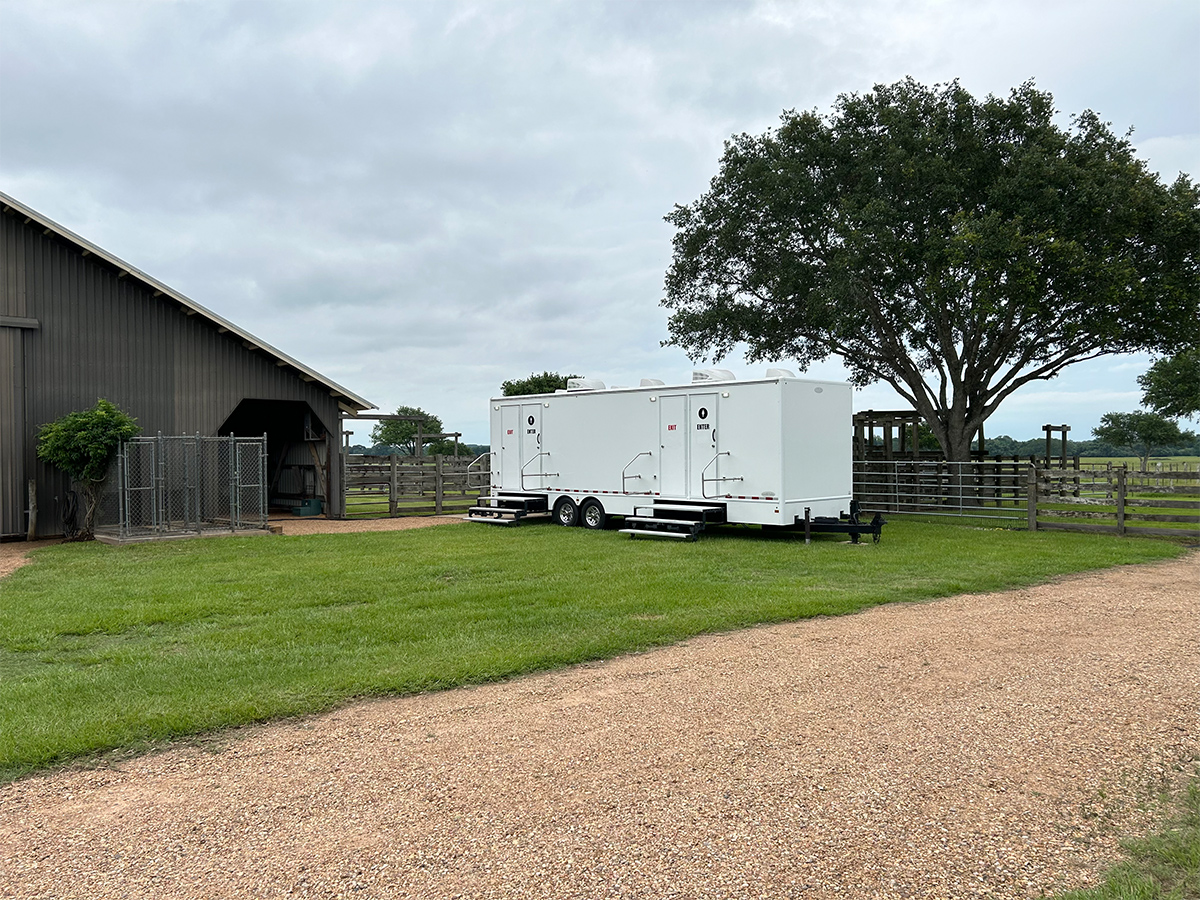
(765, 449)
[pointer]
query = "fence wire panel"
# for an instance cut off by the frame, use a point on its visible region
(986, 491)
(174, 484)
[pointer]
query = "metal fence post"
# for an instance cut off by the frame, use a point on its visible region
(158, 495)
(234, 515)
(263, 500)
(1031, 497)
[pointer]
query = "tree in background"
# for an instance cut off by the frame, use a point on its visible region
(83, 445)
(546, 383)
(403, 434)
(1142, 432)
(955, 249)
(1172, 385)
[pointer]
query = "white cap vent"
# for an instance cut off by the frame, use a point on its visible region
(780, 373)
(652, 382)
(712, 375)
(584, 384)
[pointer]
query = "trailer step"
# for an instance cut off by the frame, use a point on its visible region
(653, 532)
(692, 523)
(490, 520)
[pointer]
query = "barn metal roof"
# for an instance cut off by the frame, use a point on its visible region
(348, 400)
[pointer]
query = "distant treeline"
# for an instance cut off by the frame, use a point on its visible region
(1007, 446)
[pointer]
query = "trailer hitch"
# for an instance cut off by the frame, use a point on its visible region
(846, 525)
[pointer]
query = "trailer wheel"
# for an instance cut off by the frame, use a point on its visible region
(592, 514)
(566, 512)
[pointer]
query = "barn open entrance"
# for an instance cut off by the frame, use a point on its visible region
(297, 450)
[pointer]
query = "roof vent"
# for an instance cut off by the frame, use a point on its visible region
(652, 382)
(780, 373)
(584, 384)
(712, 375)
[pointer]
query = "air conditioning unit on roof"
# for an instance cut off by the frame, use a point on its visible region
(700, 375)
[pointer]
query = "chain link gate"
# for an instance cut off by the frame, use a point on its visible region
(180, 484)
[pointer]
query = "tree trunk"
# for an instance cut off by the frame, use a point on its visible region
(91, 500)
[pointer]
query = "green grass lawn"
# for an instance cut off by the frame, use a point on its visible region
(118, 647)
(1164, 865)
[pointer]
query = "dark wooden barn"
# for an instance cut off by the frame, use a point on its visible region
(77, 324)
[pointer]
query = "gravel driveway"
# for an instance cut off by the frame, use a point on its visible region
(984, 745)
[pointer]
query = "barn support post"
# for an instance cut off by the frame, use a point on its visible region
(439, 486)
(1031, 497)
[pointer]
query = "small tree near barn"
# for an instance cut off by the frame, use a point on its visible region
(953, 248)
(83, 445)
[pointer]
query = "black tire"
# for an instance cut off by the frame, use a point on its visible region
(566, 512)
(591, 514)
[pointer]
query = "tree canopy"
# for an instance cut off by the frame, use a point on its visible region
(83, 445)
(1142, 432)
(546, 383)
(402, 434)
(1172, 385)
(953, 248)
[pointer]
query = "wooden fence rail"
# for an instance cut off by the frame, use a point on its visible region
(1114, 500)
(382, 486)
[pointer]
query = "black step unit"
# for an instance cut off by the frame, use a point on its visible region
(680, 520)
(508, 508)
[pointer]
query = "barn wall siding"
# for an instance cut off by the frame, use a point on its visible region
(102, 335)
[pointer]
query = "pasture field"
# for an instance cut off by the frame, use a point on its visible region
(1183, 463)
(117, 648)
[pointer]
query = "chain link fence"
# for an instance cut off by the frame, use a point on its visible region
(180, 484)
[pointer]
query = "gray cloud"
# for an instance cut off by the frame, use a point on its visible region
(423, 199)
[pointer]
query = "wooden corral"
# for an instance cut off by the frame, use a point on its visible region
(894, 434)
(379, 486)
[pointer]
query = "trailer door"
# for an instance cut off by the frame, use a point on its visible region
(531, 447)
(703, 439)
(510, 449)
(673, 445)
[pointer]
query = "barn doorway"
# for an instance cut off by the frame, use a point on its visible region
(297, 450)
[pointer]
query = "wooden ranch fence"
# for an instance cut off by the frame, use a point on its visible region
(383, 486)
(1115, 500)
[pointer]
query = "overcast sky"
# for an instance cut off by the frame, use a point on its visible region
(420, 200)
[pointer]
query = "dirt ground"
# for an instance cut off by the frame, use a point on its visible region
(987, 745)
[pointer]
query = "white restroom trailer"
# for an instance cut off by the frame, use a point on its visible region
(672, 458)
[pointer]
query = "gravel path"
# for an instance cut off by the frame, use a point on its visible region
(985, 745)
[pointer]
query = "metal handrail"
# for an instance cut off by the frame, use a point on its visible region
(704, 481)
(536, 474)
(625, 478)
(472, 462)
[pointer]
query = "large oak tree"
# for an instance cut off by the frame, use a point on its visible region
(954, 248)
